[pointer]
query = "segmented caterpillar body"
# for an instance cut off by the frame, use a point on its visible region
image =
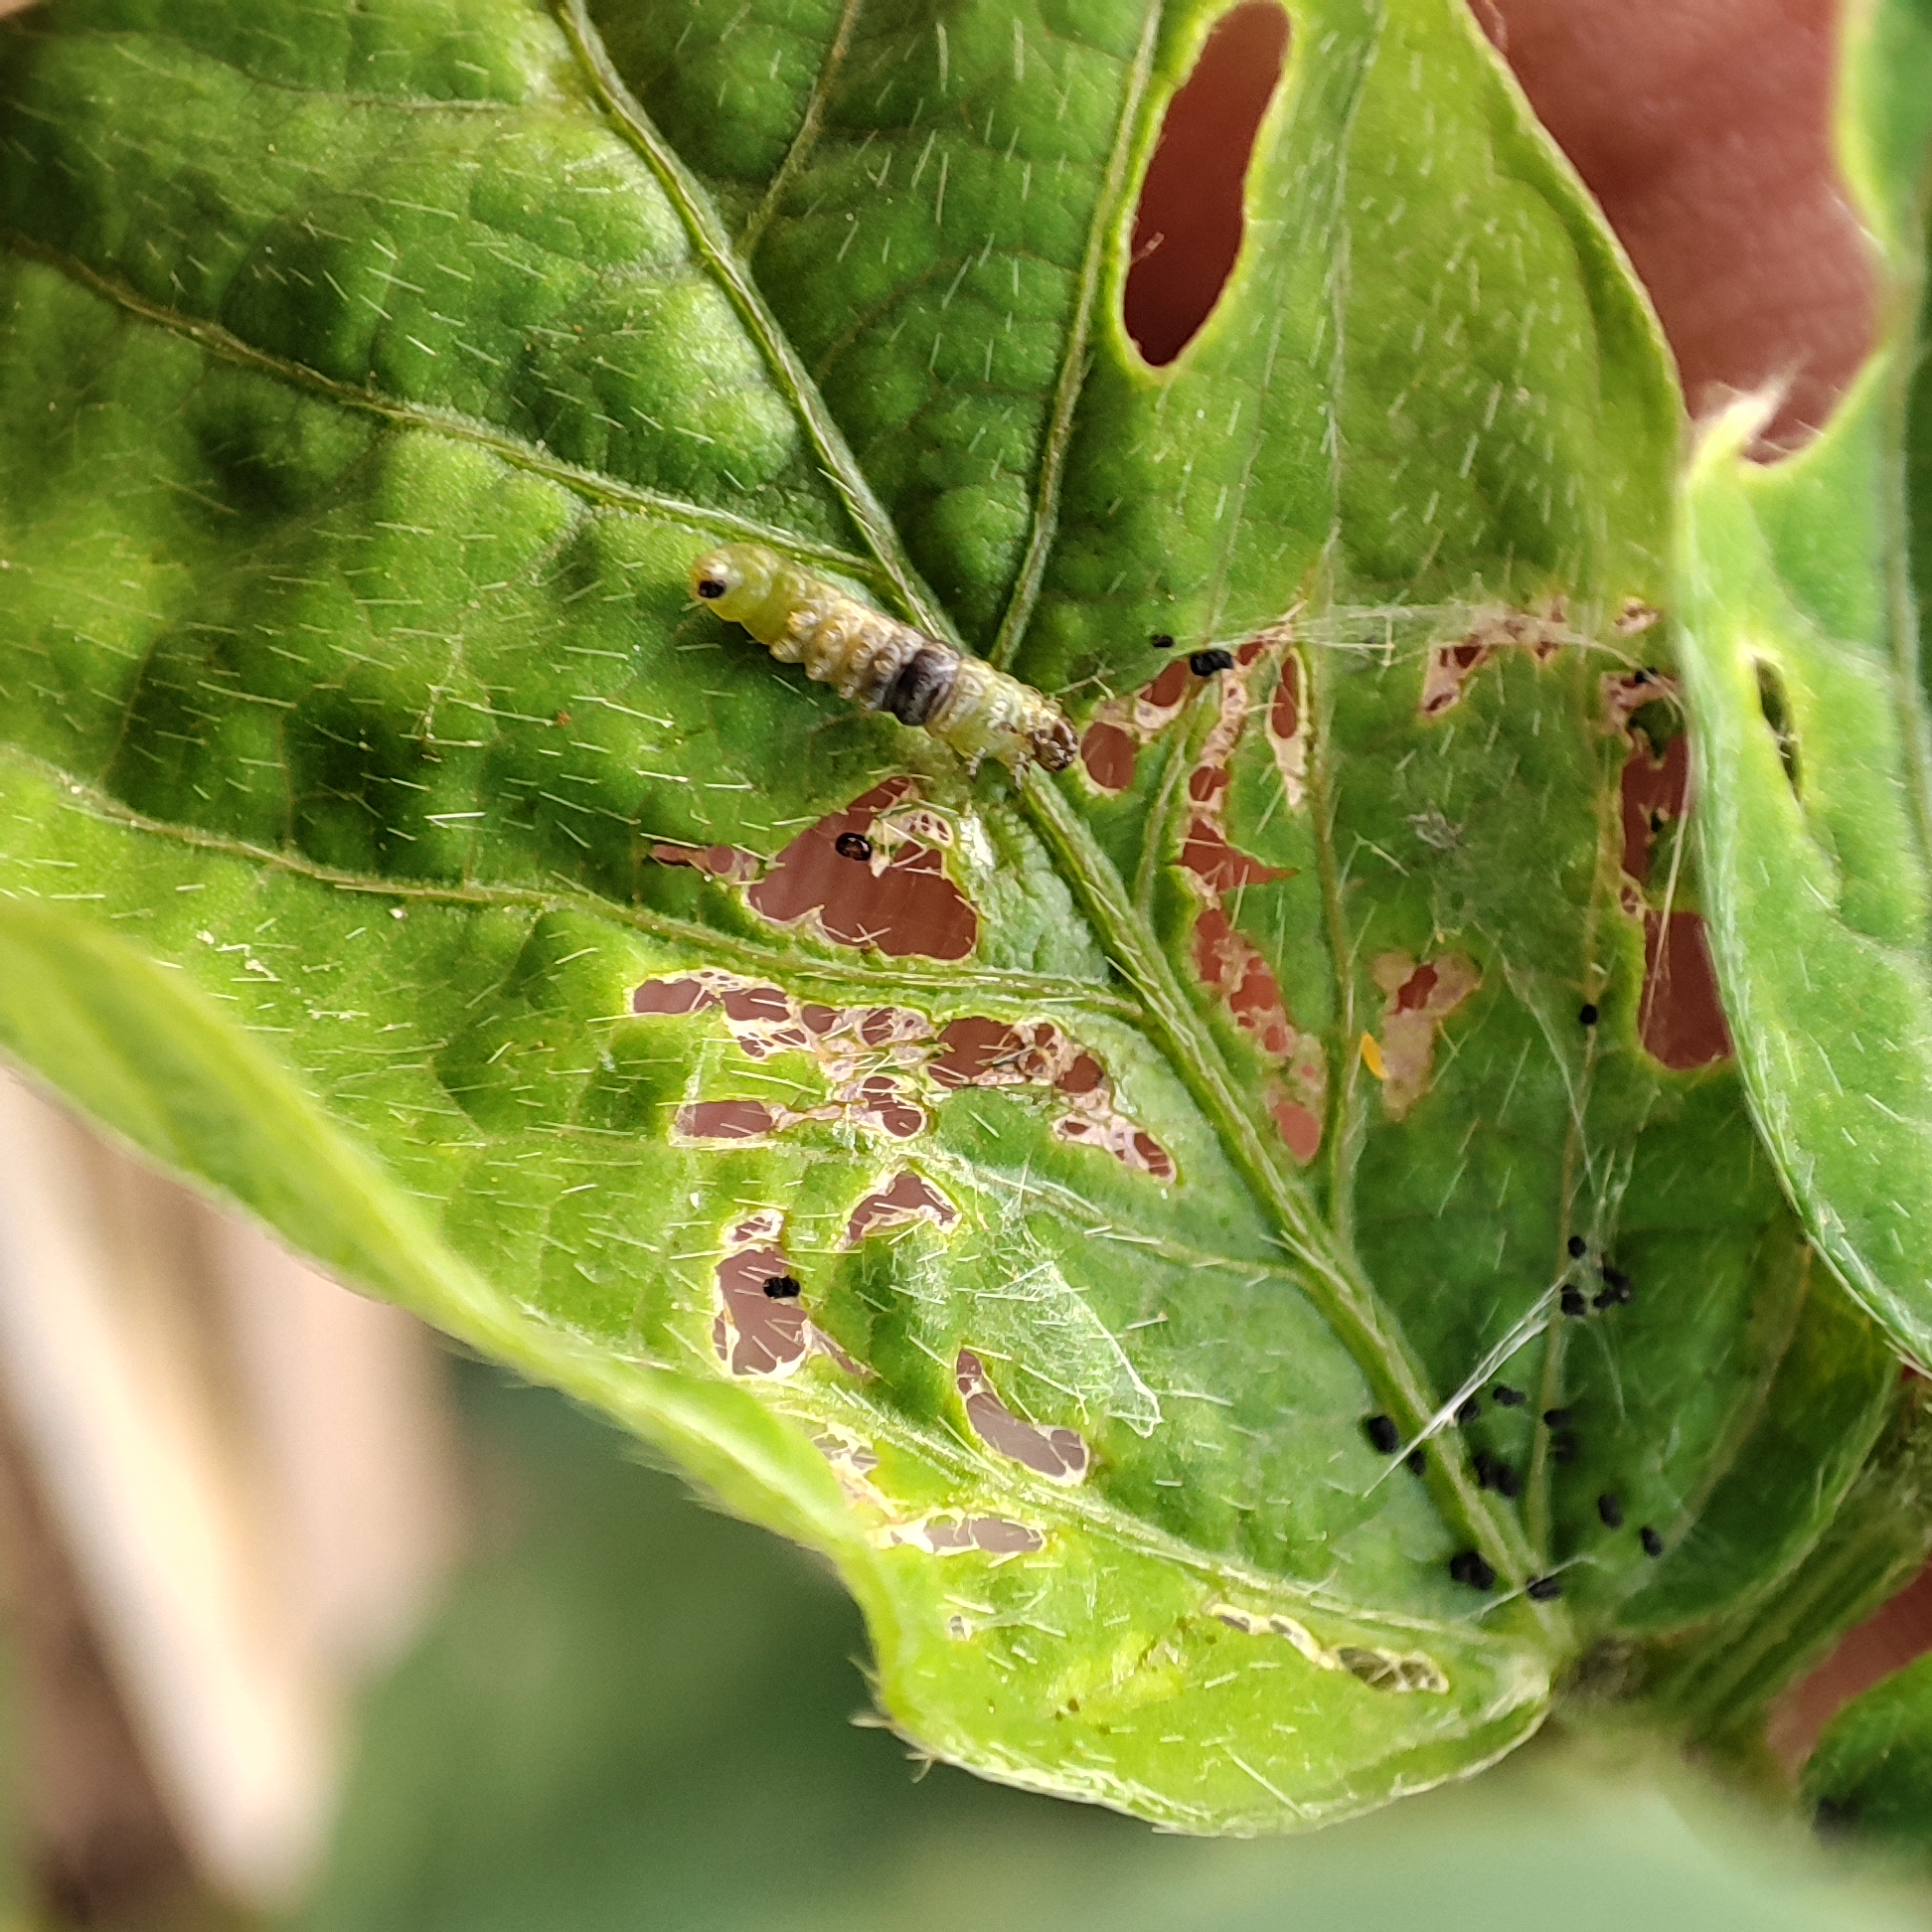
(876, 661)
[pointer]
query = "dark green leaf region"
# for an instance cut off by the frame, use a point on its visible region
(1096, 1209)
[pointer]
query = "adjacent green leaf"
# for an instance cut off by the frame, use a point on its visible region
(1814, 756)
(1718, 1682)
(1871, 1772)
(391, 844)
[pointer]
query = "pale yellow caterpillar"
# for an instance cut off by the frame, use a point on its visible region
(882, 664)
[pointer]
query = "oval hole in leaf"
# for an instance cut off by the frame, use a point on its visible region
(1188, 224)
(1777, 714)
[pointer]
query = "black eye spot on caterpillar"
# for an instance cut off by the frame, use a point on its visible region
(874, 661)
(853, 845)
(1611, 1511)
(1204, 664)
(1504, 1396)
(1652, 1542)
(1161, 641)
(1579, 1248)
(781, 1288)
(1468, 1567)
(1384, 1438)
(1543, 1590)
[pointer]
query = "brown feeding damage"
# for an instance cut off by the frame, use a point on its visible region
(863, 1054)
(1380, 1669)
(761, 1328)
(1680, 1016)
(983, 1052)
(910, 1197)
(1227, 960)
(1057, 1454)
(899, 901)
(948, 1535)
(728, 863)
(869, 1057)
(1418, 999)
(1288, 732)
(1123, 724)
(1541, 631)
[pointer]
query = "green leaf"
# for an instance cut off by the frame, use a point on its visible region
(1871, 1772)
(631, 1709)
(1814, 756)
(1717, 1682)
(391, 844)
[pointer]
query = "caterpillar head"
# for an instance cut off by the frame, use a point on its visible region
(735, 579)
(1054, 744)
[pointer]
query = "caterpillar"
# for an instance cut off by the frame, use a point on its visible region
(885, 666)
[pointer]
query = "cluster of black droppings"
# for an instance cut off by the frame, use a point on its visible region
(1384, 1438)
(1504, 1396)
(1611, 1511)
(1652, 1542)
(853, 845)
(1543, 1590)
(1468, 1567)
(1468, 1412)
(1616, 1289)
(783, 1287)
(1204, 664)
(1586, 1013)
(1161, 641)
(1417, 1460)
(1492, 1473)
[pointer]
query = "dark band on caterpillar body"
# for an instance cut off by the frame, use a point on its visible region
(876, 661)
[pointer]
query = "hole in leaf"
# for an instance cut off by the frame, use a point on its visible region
(1541, 632)
(1188, 224)
(753, 1332)
(1682, 1019)
(1776, 706)
(1057, 1454)
(1419, 998)
(983, 1052)
(1380, 1669)
(727, 1120)
(1654, 791)
(911, 1198)
(728, 863)
(899, 900)
(1708, 135)
(948, 1536)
